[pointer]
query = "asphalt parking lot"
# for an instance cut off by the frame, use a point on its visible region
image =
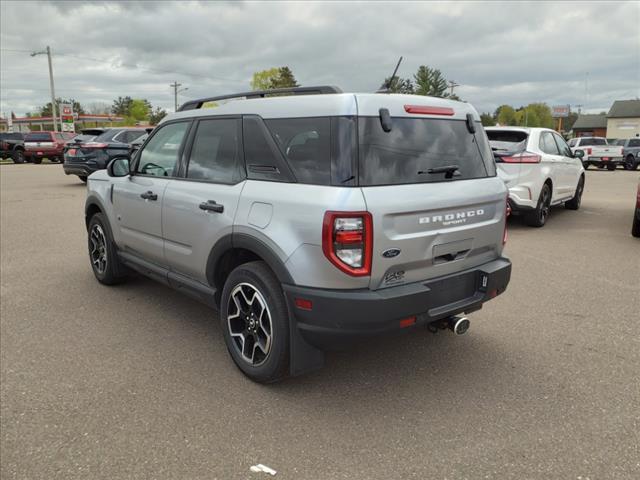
(134, 381)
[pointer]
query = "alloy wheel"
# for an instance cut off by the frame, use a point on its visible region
(249, 323)
(545, 206)
(98, 249)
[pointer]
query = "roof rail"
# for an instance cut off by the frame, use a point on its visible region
(321, 90)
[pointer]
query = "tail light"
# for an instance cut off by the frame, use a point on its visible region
(589, 150)
(427, 110)
(524, 157)
(347, 241)
(507, 214)
(94, 145)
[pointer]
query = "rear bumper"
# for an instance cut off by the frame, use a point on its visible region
(337, 316)
(600, 162)
(43, 153)
(82, 169)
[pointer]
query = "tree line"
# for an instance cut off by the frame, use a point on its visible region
(532, 115)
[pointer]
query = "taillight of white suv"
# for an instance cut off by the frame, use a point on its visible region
(347, 241)
(523, 157)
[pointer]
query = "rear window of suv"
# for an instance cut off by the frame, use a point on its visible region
(507, 140)
(38, 137)
(592, 142)
(413, 146)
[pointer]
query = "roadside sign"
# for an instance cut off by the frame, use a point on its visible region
(560, 111)
(66, 113)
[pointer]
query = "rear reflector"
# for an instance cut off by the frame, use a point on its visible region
(304, 304)
(426, 110)
(72, 151)
(407, 322)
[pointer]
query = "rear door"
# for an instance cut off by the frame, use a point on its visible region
(137, 203)
(557, 169)
(200, 208)
(572, 168)
(439, 222)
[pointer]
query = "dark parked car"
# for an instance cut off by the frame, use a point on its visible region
(630, 152)
(85, 135)
(12, 146)
(39, 145)
(85, 158)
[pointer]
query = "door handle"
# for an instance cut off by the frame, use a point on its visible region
(211, 206)
(149, 195)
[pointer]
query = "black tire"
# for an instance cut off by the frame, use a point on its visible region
(270, 362)
(538, 217)
(36, 160)
(110, 270)
(82, 178)
(611, 166)
(585, 165)
(630, 163)
(18, 156)
(635, 228)
(574, 203)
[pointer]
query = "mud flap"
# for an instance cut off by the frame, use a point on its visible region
(303, 357)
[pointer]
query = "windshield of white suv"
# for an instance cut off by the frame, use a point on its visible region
(422, 150)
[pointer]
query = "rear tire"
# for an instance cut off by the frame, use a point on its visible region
(574, 203)
(630, 163)
(255, 322)
(18, 156)
(611, 167)
(538, 217)
(635, 228)
(585, 165)
(103, 256)
(83, 178)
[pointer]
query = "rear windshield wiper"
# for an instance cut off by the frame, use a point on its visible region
(449, 170)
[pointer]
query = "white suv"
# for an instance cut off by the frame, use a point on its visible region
(539, 169)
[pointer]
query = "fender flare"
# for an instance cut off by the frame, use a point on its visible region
(92, 201)
(252, 244)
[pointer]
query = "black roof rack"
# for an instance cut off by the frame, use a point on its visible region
(321, 90)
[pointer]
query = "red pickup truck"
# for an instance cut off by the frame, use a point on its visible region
(39, 145)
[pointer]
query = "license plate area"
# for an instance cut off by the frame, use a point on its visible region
(456, 288)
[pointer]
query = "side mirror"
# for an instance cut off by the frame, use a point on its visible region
(118, 167)
(578, 154)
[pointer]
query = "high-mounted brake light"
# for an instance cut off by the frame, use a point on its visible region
(347, 241)
(426, 110)
(524, 157)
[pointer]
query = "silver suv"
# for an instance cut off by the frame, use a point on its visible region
(309, 217)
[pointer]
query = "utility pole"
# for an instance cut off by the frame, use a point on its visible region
(54, 110)
(175, 86)
(452, 85)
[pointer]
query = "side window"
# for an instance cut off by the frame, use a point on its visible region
(215, 154)
(635, 142)
(160, 156)
(562, 146)
(263, 158)
(119, 137)
(547, 145)
(306, 142)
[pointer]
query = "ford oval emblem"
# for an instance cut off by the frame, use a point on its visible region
(392, 252)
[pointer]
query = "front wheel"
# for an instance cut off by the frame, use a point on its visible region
(255, 322)
(18, 156)
(630, 163)
(585, 165)
(105, 263)
(538, 217)
(574, 203)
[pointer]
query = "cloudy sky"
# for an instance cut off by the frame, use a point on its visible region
(561, 53)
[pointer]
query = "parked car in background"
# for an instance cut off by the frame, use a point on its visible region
(137, 143)
(87, 157)
(85, 135)
(635, 228)
(597, 152)
(12, 146)
(39, 145)
(630, 152)
(539, 169)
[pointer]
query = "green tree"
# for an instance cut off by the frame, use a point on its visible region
(139, 110)
(487, 120)
(506, 115)
(121, 106)
(275, 77)
(430, 81)
(156, 115)
(45, 111)
(398, 85)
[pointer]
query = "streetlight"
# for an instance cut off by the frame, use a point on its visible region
(175, 86)
(54, 112)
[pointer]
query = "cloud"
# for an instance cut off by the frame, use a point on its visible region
(515, 53)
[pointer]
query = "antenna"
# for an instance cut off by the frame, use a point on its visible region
(386, 86)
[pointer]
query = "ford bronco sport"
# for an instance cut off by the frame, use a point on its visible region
(308, 216)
